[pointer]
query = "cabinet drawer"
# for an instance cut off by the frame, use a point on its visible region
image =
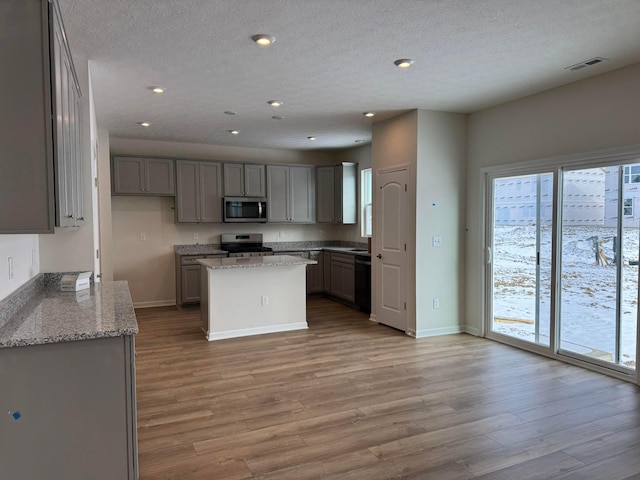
(191, 259)
(343, 258)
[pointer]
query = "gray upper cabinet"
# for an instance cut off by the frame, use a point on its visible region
(40, 185)
(290, 194)
(244, 180)
(337, 194)
(198, 198)
(143, 176)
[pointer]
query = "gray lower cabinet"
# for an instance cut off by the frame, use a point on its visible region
(315, 273)
(143, 176)
(244, 180)
(69, 410)
(343, 276)
(291, 194)
(198, 196)
(326, 272)
(41, 184)
(188, 278)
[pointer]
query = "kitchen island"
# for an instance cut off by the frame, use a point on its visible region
(242, 296)
(67, 376)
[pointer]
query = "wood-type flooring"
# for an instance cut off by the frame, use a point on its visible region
(350, 399)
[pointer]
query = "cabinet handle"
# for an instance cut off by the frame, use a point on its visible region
(81, 219)
(70, 215)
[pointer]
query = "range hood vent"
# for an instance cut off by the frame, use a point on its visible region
(585, 64)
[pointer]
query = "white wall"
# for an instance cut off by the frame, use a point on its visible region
(440, 210)
(24, 252)
(149, 266)
(72, 250)
(597, 113)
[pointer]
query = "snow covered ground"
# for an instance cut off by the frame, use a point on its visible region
(588, 300)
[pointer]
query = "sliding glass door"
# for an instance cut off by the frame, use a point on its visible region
(520, 250)
(598, 280)
(563, 279)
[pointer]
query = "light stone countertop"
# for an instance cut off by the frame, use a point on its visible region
(52, 316)
(254, 262)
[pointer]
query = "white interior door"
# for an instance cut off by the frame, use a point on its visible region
(390, 244)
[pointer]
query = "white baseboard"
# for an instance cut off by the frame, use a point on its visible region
(436, 332)
(155, 303)
(372, 317)
(246, 332)
(471, 330)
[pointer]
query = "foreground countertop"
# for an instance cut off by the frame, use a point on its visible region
(254, 262)
(52, 316)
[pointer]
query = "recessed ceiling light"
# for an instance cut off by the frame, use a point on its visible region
(263, 39)
(369, 114)
(234, 132)
(358, 141)
(403, 63)
(229, 112)
(278, 117)
(157, 89)
(274, 103)
(144, 124)
(311, 138)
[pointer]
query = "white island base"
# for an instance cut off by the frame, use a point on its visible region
(253, 296)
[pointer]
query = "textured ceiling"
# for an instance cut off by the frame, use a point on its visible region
(332, 60)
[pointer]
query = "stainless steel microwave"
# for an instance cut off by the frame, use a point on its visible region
(245, 210)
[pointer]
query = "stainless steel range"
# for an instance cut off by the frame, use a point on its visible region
(244, 245)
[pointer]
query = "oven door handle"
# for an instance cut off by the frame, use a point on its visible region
(259, 209)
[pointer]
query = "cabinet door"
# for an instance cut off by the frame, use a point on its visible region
(233, 180)
(191, 284)
(349, 282)
(315, 273)
(303, 193)
(326, 273)
(127, 175)
(187, 198)
(278, 193)
(27, 174)
(210, 188)
(254, 181)
(326, 194)
(78, 191)
(159, 176)
(336, 279)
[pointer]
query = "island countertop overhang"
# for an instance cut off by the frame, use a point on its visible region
(254, 262)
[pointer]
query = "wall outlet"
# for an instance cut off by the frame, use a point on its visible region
(436, 303)
(10, 265)
(264, 300)
(437, 241)
(143, 237)
(195, 236)
(281, 234)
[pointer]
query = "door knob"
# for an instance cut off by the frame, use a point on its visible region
(379, 256)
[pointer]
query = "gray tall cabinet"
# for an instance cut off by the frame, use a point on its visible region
(41, 183)
(337, 198)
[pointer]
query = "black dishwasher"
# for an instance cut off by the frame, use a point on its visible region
(363, 282)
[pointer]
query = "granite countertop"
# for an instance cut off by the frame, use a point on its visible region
(254, 262)
(199, 249)
(214, 249)
(52, 316)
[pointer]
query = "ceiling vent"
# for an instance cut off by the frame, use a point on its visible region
(588, 63)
